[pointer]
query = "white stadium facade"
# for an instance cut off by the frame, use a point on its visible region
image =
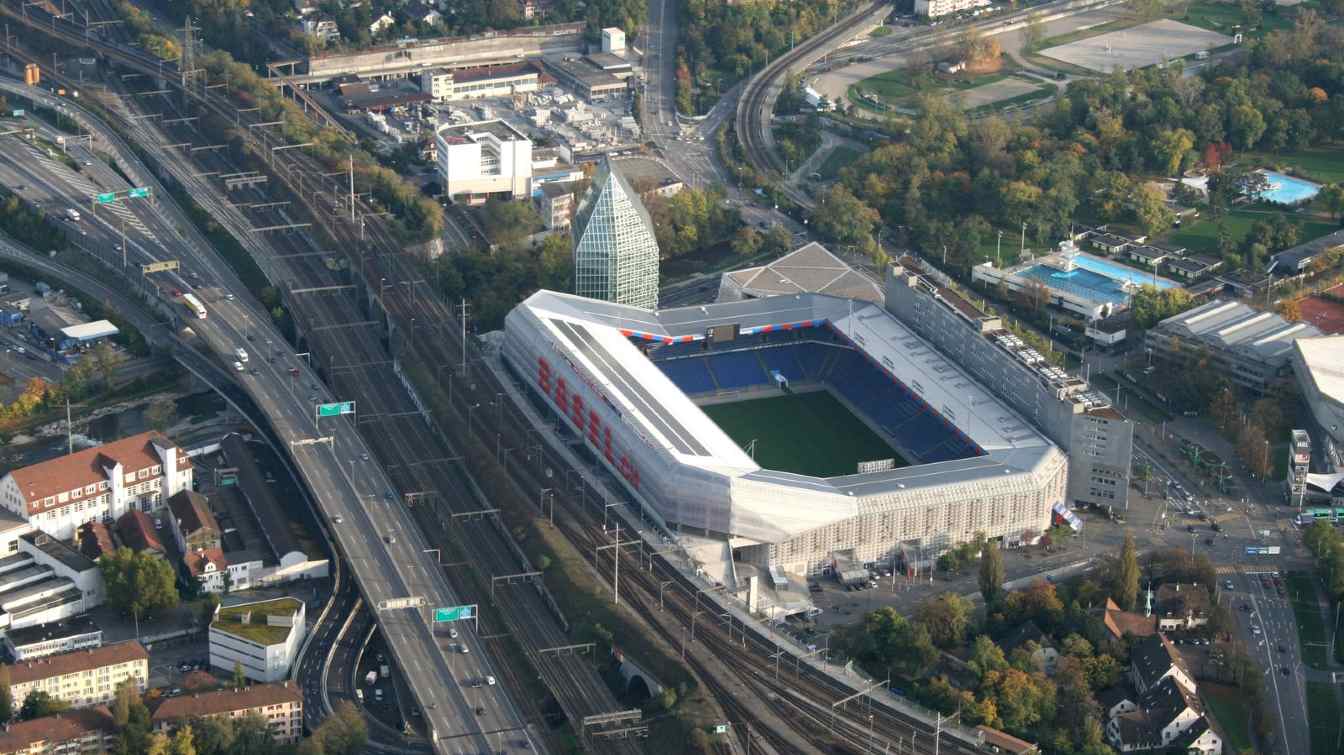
(631, 384)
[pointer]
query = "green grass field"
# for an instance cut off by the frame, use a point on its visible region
(1310, 627)
(899, 87)
(808, 433)
(839, 157)
(1323, 718)
(1221, 17)
(1321, 164)
(1201, 236)
(1229, 707)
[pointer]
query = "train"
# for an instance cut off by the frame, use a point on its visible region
(1334, 515)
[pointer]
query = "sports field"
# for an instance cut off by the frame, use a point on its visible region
(807, 433)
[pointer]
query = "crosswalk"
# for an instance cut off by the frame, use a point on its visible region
(122, 214)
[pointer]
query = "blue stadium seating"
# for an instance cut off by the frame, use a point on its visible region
(810, 355)
(738, 369)
(691, 375)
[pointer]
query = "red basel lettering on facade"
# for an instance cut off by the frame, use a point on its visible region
(581, 413)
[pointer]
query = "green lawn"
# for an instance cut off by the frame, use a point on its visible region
(1221, 17)
(1320, 164)
(839, 157)
(898, 87)
(1323, 718)
(809, 433)
(1201, 236)
(1310, 627)
(1229, 707)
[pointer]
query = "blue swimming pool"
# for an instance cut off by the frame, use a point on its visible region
(1094, 278)
(1287, 189)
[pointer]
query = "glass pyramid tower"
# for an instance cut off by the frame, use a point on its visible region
(615, 251)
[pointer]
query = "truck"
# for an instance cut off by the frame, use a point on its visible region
(72, 214)
(194, 304)
(385, 671)
(371, 678)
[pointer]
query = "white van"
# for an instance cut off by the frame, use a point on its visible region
(241, 354)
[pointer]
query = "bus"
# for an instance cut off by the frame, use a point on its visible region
(194, 305)
(1321, 514)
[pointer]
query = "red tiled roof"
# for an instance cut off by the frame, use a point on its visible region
(193, 513)
(201, 704)
(95, 539)
(20, 736)
(86, 467)
(79, 660)
(137, 532)
(196, 560)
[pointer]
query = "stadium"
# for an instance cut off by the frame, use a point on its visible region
(796, 430)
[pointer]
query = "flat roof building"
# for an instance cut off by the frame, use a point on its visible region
(264, 637)
(446, 85)
(1253, 349)
(586, 79)
(41, 640)
(482, 159)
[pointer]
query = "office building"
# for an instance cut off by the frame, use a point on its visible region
(84, 731)
(615, 250)
(446, 85)
(613, 40)
(485, 158)
(937, 8)
(1251, 348)
(263, 637)
(81, 678)
(42, 640)
(280, 705)
(100, 483)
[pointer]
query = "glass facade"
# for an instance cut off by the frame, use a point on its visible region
(615, 252)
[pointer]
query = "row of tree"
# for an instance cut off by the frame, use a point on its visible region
(1327, 547)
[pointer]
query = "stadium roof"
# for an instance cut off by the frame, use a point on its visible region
(1236, 326)
(599, 335)
(1324, 358)
(811, 268)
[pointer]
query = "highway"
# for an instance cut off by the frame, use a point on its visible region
(382, 545)
(582, 691)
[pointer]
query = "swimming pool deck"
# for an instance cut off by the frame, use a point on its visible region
(1094, 278)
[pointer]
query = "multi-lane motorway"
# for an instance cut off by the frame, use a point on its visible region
(384, 548)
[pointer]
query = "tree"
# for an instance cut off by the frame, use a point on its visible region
(208, 606)
(986, 656)
(40, 703)
(6, 697)
(1126, 589)
(991, 573)
(1290, 309)
(183, 742)
(1250, 10)
(1225, 412)
(1332, 199)
(946, 618)
(508, 222)
(161, 413)
(126, 696)
(1253, 448)
(1151, 211)
(159, 744)
(137, 583)
(844, 217)
(1033, 32)
(213, 736)
(344, 733)
(252, 736)
(106, 359)
(1170, 148)
(239, 677)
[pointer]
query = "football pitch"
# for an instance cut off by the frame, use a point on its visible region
(806, 433)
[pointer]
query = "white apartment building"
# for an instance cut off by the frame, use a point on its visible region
(263, 637)
(82, 678)
(936, 8)
(97, 484)
(483, 158)
(446, 85)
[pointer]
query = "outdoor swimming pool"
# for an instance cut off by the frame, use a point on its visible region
(1094, 279)
(1287, 189)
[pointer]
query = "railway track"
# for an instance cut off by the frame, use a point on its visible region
(379, 256)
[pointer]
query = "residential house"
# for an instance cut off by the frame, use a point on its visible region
(1179, 609)
(281, 705)
(382, 24)
(101, 483)
(140, 533)
(1148, 254)
(322, 27)
(1035, 642)
(209, 567)
(1153, 659)
(423, 14)
(81, 678)
(84, 731)
(192, 523)
(555, 203)
(1165, 713)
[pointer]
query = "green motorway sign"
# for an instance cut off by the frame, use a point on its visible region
(453, 613)
(336, 410)
(138, 192)
(107, 198)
